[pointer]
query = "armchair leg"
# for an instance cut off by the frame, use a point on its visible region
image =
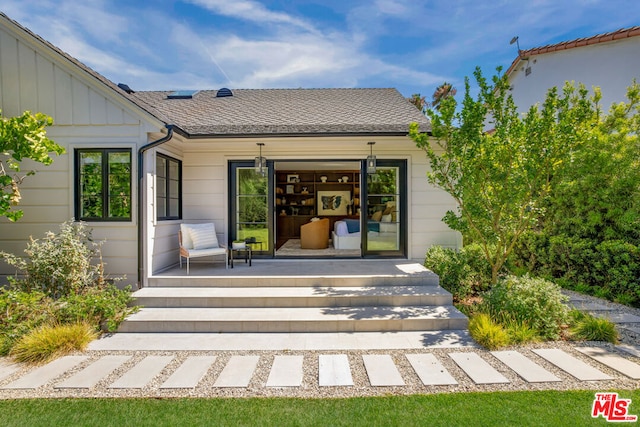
(187, 266)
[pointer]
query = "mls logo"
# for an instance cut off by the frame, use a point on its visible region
(612, 408)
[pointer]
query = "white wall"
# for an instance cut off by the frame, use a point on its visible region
(612, 66)
(86, 113)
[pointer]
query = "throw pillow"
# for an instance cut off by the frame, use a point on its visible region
(204, 236)
(377, 216)
(353, 225)
(386, 218)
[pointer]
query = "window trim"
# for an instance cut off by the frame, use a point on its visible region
(169, 159)
(105, 194)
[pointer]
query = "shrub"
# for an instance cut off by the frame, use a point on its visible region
(487, 333)
(532, 301)
(590, 328)
(60, 264)
(48, 342)
(21, 312)
(462, 273)
(520, 332)
(103, 307)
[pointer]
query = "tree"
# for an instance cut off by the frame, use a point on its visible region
(444, 91)
(21, 137)
(419, 101)
(500, 178)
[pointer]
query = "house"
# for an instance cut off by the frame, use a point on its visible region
(610, 61)
(138, 164)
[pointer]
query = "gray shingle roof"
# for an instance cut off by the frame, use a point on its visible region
(252, 112)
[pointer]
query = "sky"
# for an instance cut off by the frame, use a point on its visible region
(411, 45)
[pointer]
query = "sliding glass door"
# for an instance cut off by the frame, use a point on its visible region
(385, 210)
(250, 210)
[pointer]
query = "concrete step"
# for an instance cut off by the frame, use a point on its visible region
(292, 296)
(290, 280)
(307, 319)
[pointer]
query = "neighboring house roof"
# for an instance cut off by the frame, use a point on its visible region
(571, 44)
(265, 112)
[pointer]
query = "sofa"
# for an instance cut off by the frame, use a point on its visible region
(346, 234)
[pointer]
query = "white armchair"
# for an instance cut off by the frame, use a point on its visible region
(200, 240)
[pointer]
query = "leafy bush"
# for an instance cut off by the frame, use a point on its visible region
(487, 332)
(62, 284)
(60, 264)
(462, 273)
(532, 301)
(48, 342)
(21, 312)
(104, 307)
(607, 269)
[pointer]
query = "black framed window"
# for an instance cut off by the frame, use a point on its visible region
(103, 184)
(169, 188)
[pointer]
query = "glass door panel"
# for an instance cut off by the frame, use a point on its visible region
(250, 207)
(385, 206)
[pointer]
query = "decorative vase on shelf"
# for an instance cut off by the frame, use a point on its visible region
(323, 178)
(345, 178)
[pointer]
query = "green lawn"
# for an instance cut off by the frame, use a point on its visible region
(541, 408)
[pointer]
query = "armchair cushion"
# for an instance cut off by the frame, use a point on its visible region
(200, 236)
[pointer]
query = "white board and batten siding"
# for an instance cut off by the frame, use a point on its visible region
(87, 114)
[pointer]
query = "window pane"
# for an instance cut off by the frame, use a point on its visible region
(252, 209)
(168, 197)
(90, 185)
(161, 183)
(119, 185)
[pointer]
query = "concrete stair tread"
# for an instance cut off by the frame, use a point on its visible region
(295, 313)
(299, 291)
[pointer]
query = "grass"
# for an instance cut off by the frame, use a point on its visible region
(531, 408)
(487, 332)
(48, 342)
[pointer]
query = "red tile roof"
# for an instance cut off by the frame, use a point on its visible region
(622, 33)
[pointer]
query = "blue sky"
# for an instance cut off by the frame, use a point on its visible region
(411, 45)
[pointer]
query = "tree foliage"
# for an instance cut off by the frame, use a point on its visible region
(20, 138)
(500, 177)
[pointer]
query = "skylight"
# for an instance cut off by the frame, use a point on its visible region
(182, 94)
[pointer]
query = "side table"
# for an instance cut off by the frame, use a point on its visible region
(247, 254)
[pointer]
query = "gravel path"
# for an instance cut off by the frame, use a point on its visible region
(362, 387)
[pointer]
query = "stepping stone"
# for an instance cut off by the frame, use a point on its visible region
(631, 349)
(95, 372)
(477, 369)
(7, 369)
(382, 371)
(614, 361)
(334, 370)
(189, 374)
(430, 370)
(588, 305)
(46, 373)
(525, 367)
(142, 373)
(571, 365)
(617, 317)
(286, 372)
(238, 372)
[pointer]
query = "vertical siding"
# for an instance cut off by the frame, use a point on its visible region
(86, 114)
